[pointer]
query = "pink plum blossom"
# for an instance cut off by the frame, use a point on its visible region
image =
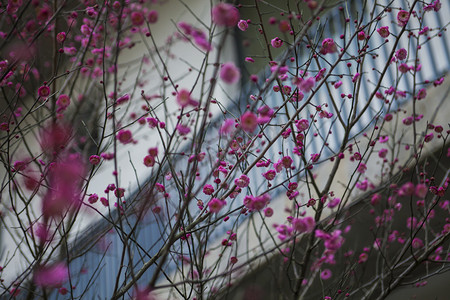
(137, 18)
(429, 137)
(143, 294)
(123, 99)
(256, 202)
(124, 136)
(249, 121)
(302, 125)
(417, 243)
(421, 94)
(305, 224)
(51, 276)
(363, 258)
(284, 231)
(55, 138)
(334, 240)
(94, 160)
(225, 14)
(149, 161)
(334, 202)
(306, 85)
(325, 274)
(268, 212)
(407, 189)
(284, 26)
(61, 37)
(402, 17)
(328, 46)
(401, 54)
(242, 25)
(208, 189)
(382, 153)
(93, 198)
(265, 113)
(44, 91)
(215, 205)
(229, 73)
(269, 175)
(421, 190)
(276, 42)
(435, 5)
(183, 129)
(227, 127)
(242, 181)
(152, 16)
(383, 31)
(184, 98)
(64, 192)
(63, 102)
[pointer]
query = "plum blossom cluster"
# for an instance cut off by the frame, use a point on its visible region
(229, 73)
(296, 226)
(224, 14)
(150, 159)
(255, 203)
(198, 36)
